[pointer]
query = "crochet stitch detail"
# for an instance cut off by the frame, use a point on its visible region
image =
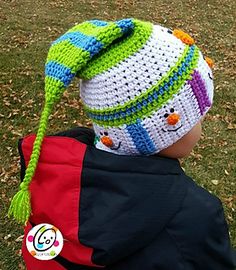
(118, 51)
(153, 98)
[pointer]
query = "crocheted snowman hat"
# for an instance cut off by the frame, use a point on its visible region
(146, 91)
(143, 86)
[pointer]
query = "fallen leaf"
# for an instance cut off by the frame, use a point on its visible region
(226, 172)
(20, 238)
(215, 182)
(231, 126)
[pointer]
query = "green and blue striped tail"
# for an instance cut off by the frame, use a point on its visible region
(72, 51)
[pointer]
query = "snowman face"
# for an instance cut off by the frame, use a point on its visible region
(173, 121)
(104, 141)
(44, 239)
(158, 130)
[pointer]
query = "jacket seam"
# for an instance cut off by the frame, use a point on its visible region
(173, 237)
(131, 172)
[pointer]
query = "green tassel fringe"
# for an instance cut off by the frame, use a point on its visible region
(20, 207)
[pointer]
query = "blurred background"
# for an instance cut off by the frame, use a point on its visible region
(26, 30)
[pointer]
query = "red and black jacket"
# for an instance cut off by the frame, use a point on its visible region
(122, 212)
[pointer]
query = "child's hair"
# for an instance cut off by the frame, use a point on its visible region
(143, 86)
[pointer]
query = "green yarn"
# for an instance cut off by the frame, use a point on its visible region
(53, 89)
(75, 60)
(118, 51)
(102, 34)
(20, 207)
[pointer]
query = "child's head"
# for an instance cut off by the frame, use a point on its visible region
(147, 91)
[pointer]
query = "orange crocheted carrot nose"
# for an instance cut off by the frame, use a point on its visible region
(183, 36)
(107, 141)
(209, 61)
(173, 119)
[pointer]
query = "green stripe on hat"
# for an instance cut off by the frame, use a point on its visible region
(77, 57)
(50, 85)
(89, 29)
(118, 51)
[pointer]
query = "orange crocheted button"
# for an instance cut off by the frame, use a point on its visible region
(107, 141)
(209, 61)
(173, 119)
(183, 36)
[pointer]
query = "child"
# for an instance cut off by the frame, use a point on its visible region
(124, 203)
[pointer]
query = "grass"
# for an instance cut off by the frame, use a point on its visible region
(27, 28)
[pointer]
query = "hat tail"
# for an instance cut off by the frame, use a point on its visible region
(66, 57)
(20, 207)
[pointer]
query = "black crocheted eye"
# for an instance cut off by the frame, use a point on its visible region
(106, 133)
(210, 76)
(166, 115)
(169, 31)
(172, 110)
(101, 133)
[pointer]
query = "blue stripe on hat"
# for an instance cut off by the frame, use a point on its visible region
(82, 41)
(141, 139)
(59, 71)
(126, 25)
(98, 23)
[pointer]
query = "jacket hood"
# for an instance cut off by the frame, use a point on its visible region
(124, 201)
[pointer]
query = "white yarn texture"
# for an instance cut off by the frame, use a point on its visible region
(134, 76)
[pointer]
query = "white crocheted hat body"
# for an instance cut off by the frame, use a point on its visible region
(146, 92)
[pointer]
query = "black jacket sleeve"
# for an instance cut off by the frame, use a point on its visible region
(218, 246)
(201, 232)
